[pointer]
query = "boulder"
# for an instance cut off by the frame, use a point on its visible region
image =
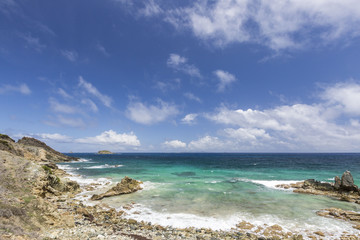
(347, 182)
(126, 186)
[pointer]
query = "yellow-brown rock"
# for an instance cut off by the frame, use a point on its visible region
(126, 186)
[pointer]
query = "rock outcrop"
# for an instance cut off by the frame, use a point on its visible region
(126, 186)
(340, 214)
(8, 144)
(37, 147)
(347, 182)
(343, 189)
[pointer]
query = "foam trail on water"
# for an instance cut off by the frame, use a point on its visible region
(267, 183)
(103, 166)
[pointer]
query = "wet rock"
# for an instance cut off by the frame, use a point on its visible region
(245, 225)
(126, 186)
(320, 233)
(340, 214)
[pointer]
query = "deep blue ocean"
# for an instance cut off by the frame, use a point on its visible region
(218, 190)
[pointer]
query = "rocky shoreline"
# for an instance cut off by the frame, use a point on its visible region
(37, 201)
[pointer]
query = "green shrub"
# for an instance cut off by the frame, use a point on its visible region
(47, 169)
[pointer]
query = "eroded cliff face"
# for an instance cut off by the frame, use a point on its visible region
(29, 177)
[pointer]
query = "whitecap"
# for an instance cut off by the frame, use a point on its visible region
(104, 166)
(267, 183)
(84, 160)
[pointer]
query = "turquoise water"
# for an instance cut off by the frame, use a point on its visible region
(219, 190)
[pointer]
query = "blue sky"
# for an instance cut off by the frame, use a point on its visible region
(178, 76)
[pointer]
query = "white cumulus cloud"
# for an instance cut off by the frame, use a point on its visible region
(346, 95)
(277, 24)
(189, 118)
(207, 143)
(320, 126)
(111, 137)
(175, 144)
(141, 113)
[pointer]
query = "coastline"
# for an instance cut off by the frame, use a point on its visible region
(62, 215)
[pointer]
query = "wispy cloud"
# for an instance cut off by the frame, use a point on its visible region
(151, 8)
(33, 42)
(225, 79)
(61, 121)
(91, 105)
(179, 63)
(22, 88)
(64, 94)
(62, 108)
(168, 85)
(144, 114)
(72, 56)
(191, 96)
(104, 99)
(102, 50)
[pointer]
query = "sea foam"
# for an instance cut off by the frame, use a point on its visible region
(103, 166)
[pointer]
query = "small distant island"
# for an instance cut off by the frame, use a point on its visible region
(104, 152)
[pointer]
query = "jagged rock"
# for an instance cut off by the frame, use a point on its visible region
(50, 154)
(6, 137)
(347, 182)
(337, 182)
(126, 186)
(321, 186)
(343, 189)
(7, 144)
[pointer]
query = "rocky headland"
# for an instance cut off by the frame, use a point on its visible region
(343, 189)
(37, 201)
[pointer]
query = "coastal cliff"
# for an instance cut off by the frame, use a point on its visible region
(37, 201)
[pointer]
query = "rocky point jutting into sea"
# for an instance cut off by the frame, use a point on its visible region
(38, 201)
